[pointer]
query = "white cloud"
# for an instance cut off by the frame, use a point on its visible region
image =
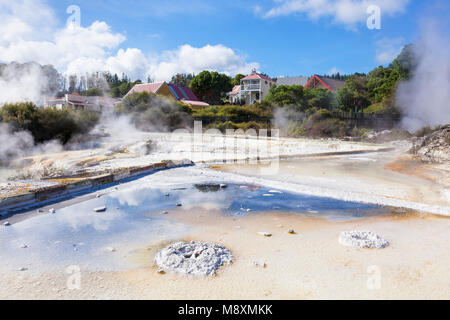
(188, 59)
(29, 32)
(34, 41)
(334, 70)
(388, 49)
(346, 12)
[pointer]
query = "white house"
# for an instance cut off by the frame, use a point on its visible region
(255, 87)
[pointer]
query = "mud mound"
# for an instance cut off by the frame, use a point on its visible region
(363, 239)
(196, 258)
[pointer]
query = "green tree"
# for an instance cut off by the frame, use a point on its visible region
(319, 99)
(237, 79)
(353, 96)
(211, 87)
(182, 79)
(286, 95)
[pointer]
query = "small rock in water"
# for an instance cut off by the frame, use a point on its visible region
(265, 234)
(179, 205)
(363, 239)
(161, 271)
(40, 211)
(98, 195)
(22, 269)
(111, 249)
(23, 246)
(291, 231)
(223, 186)
(52, 211)
(165, 212)
(261, 264)
(248, 210)
(167, 195)
(7, 224)
(100, 209)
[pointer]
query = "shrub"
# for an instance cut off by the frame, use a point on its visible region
(150, 112)
(48, 123)
(223, 126)
(381, 108)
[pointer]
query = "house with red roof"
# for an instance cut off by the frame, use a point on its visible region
(254, 87)
(180, 93)
(316, 82)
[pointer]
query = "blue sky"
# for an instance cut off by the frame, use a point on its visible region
(282, 37)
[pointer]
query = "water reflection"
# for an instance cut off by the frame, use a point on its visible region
(76, 235)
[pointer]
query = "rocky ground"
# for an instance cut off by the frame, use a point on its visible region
(434, 147)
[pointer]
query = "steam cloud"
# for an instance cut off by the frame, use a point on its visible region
(425, 98)
(25, 82)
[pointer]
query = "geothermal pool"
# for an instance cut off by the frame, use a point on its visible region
(115, 249)
(139, 214)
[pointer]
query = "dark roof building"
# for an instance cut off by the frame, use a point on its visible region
(290, 81)
(323, 82)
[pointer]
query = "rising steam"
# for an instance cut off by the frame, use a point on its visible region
(425, 98)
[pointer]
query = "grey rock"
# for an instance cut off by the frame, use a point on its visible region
(363, 239)
(193, 258)
(6, 224)
(100, 209)
(434, 147)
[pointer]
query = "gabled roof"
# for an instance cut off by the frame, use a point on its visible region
(146, 87)
(330, 84)
(255, 75)
(236, 90)
(290, 81)
(334, 84)
(182, 93)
